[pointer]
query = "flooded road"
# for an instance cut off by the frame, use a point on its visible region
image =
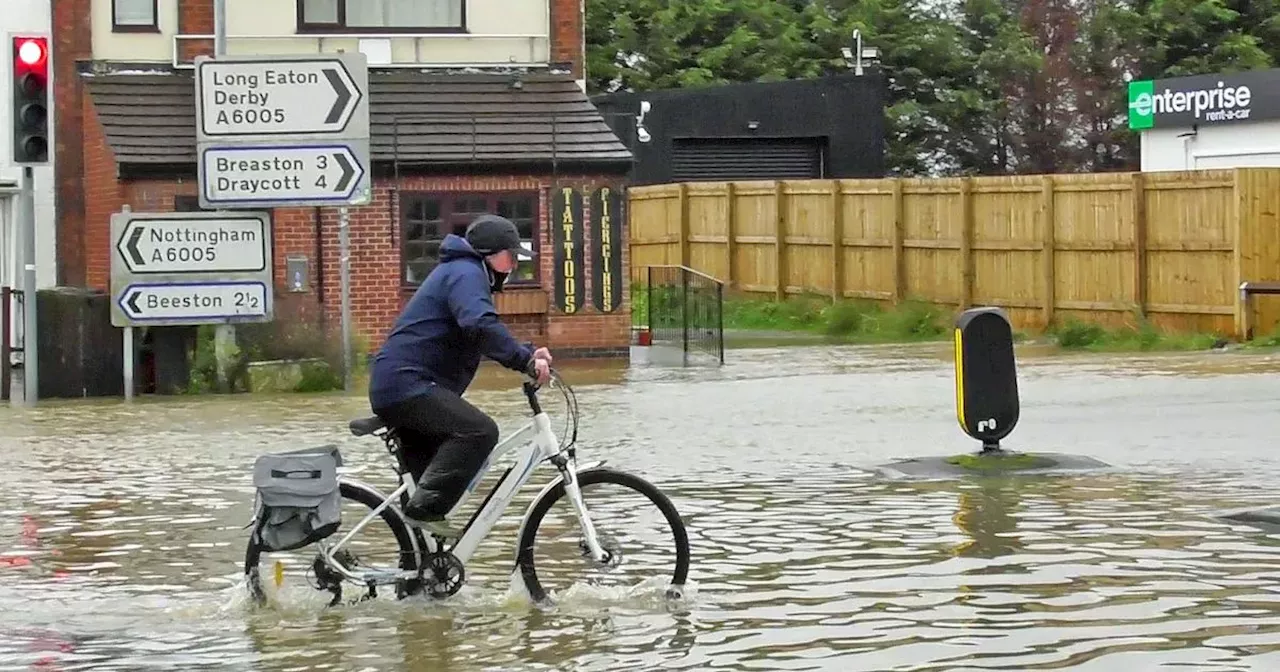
(122, 526)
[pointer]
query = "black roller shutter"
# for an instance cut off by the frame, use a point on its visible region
(695, 159)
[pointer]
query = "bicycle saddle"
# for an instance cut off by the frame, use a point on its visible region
(366, 426)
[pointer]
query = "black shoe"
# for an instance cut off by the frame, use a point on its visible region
(418, 514)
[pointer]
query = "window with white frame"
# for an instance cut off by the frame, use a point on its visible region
(134, 16)
(381, 15)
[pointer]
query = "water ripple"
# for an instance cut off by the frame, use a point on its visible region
(124, 527)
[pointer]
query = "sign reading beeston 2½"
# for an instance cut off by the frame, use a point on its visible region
(606, 248)
(566, 236)
(1204, 99)
(290, 130)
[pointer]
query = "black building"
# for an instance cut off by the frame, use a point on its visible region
(827, 127)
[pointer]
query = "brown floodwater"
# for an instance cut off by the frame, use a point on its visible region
(123, 533)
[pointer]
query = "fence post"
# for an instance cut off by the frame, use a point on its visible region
(837, 242)
(1048, 243)
(899, 254)
(780, 241)
(682, 202)
(720, 318)
(731, 232)
(5, 367)
(648, 302)
(1139, 245)
(684, 313)
(966, 242)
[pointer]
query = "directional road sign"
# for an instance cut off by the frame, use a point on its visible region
(182, 245)
(280, 131)
(189, 268)
(192, 302)
(262, 176)
(282, 95)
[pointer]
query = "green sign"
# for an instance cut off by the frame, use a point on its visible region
(1142, 111)
(1204, 99)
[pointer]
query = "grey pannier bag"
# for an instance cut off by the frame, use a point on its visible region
(297, 501)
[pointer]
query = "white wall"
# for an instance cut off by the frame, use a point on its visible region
(498, 31)
(1222, 146)
(19, 15)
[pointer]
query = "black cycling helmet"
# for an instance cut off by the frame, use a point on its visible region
(489, 234)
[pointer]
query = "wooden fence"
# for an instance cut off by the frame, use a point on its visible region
(1107, 248)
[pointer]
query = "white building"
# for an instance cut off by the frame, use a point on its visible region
(22, 15)
(1208, 121)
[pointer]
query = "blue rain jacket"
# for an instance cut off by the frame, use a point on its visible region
(443, 331)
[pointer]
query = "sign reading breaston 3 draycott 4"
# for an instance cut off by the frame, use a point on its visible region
(1204, 99)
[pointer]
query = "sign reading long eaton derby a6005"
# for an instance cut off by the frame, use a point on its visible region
(288, 130)
(282, 95)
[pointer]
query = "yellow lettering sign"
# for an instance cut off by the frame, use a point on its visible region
(567, 270)
(606, 248)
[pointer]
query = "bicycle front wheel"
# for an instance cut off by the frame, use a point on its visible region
(634, 521)
(378, 549)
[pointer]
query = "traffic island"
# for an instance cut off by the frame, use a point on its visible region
(988, 463)
(987, 408)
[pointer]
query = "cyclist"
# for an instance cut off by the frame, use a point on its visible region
(430, 358)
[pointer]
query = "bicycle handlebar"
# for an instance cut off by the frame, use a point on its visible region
(531, 389)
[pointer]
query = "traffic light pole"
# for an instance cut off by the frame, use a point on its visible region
(30, 379)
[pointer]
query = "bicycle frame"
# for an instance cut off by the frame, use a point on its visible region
(542, 445)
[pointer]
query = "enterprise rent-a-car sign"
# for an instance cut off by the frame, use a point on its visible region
(1205, 99)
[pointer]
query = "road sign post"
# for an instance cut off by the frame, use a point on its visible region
(284, 131)
(190, 268)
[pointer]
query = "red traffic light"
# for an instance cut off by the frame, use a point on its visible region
(30, 51)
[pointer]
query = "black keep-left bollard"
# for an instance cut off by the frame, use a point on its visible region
(986, 376)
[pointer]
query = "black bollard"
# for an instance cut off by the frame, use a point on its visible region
(986, 376)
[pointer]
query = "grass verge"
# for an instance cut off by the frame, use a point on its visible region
(914, 320)
(1145, 337)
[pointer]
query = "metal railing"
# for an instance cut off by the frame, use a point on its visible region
(685, 309)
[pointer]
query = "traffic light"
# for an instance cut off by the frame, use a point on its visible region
(30, 91)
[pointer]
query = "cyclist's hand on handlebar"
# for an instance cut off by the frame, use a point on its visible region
(541, 371)
(543, 354)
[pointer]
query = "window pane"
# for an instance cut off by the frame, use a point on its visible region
(404, 13)
(319, 11)
(135, 12)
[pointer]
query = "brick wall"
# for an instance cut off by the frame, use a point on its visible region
(195, 17)
(376, 294)
(567, 34)
(72, 39)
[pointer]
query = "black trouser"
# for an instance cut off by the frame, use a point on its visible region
(444, 440)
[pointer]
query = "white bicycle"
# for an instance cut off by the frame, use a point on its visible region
(432, 563)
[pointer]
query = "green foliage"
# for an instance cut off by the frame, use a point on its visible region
(974, 86)
(279, 340)
(1074, 334)
(998, 461)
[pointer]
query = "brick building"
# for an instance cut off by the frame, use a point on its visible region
(475, 105)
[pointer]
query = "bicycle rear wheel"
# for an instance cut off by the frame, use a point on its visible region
(371, 550)
(561, 548)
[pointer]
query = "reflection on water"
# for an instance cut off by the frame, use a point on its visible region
(123, 527)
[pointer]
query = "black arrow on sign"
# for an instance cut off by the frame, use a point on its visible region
(133, 301)
(132, 247)
(348, 171)
(344, 96)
